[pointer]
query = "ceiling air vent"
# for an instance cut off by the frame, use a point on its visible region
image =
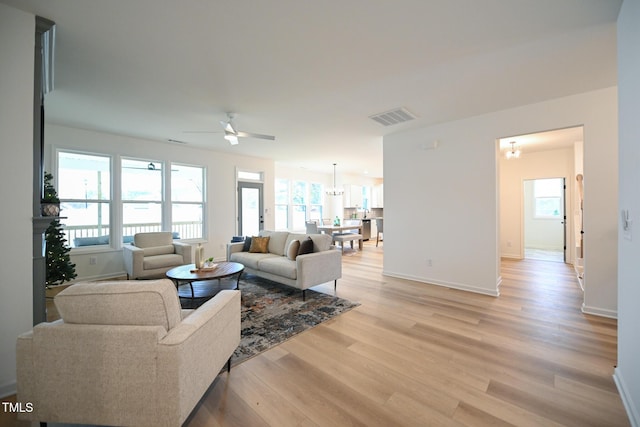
(393, 117)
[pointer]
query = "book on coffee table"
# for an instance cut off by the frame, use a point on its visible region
(207, 268)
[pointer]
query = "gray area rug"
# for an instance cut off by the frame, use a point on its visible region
(272, 313)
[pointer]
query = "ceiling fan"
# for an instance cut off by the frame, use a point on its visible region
(231, 133)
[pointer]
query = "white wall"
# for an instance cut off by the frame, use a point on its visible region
(627, 374)
(543, 164)
(17, 31)
(221, 188)
(443, 204)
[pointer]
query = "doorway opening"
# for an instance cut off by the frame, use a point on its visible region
(544, 219)
(553, 154)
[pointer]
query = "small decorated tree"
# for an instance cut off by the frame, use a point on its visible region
(60, 269)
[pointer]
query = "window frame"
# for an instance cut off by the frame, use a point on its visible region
(202, 202)
(161, 203)
(305, 206)
(115, 202)
(540, 195)
(110, 201)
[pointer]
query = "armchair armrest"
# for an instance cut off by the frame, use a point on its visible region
(192, 354)
(133, 260)
(183, 249)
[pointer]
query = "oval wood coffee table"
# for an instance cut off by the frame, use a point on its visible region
(200, 279)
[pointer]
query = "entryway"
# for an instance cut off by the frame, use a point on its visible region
(540, 221)
(250, 208)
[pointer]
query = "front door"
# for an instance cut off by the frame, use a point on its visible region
(250, 208)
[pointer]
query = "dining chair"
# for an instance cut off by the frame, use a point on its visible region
(379, 227)
(312, 227)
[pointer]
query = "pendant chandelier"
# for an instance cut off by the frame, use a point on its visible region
(514, 153)
(335, 191)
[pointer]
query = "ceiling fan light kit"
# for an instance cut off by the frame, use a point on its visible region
(231, 137)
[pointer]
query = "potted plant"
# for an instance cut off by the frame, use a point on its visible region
(50, 202)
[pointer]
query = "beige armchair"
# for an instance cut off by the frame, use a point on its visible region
(124, 353)
(151, 255)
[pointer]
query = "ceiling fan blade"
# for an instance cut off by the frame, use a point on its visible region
(201, 131)
(228, 127)
(255, 135)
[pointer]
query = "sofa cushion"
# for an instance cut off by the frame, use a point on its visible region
(280, 266)
(248, 259)
(247, 244)
(147, 240)
(292, 249)
(321, 242)
(306, 246)
(159, 261)
(259, 245)
(277, 241)
(295, 236)
(159, 250)
(126, 302)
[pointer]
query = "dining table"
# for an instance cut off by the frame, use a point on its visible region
(344, 228)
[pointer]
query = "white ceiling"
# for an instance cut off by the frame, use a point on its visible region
(311, 72)
(544, 141)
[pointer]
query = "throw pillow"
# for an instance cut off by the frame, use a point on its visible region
(259, 245)
(292, 250)
(306, 246)
(247, 244)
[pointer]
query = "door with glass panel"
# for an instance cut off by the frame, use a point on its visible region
(250, 208)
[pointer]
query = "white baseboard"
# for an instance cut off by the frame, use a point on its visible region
(632, 411)
(460, 286)
(599, 311)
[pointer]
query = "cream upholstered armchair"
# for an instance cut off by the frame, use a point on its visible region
(151, 255)
(124, 353)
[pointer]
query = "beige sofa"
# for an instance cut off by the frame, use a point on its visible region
(323, 265)
(124, 353)
(151, 255)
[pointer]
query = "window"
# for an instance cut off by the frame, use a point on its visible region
(548, 195)
(187, 197)
(84, 189)
(92, 207)
(141, 197)
(299, 205)
(249, 176)
(315, 202)
(282, 204)
(297, 202)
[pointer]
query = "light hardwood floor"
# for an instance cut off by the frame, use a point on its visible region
(417, 354)
(420, 355)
